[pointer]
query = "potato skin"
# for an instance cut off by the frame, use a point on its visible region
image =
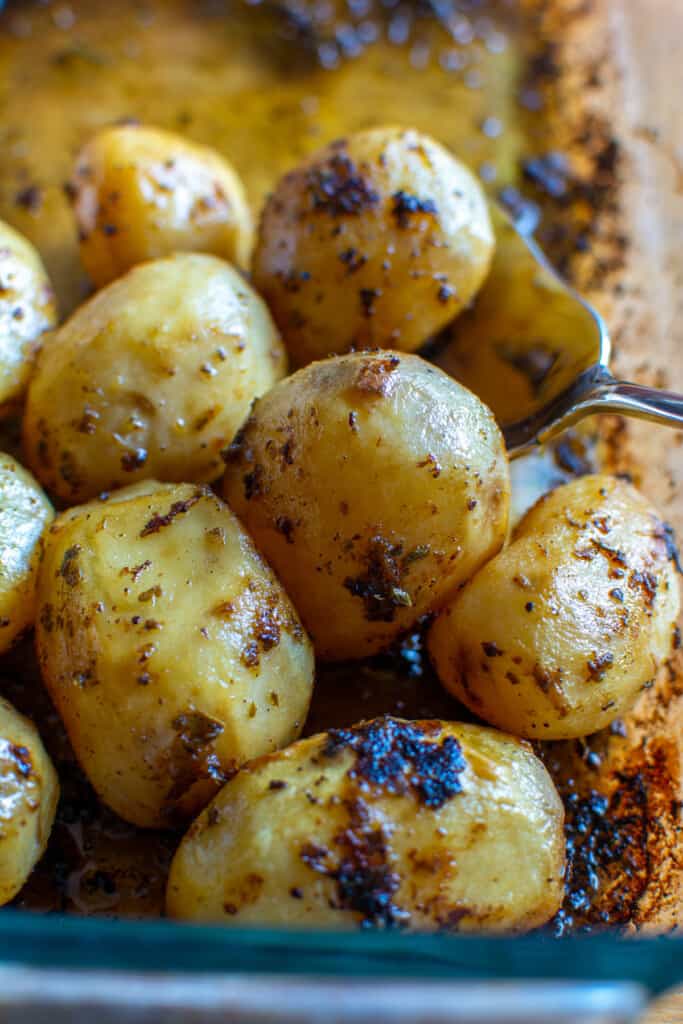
(380, 239)
(375, 485)
(154, 375)
(169, 648)
(27, 311)
(558, 634)
(29, 791)
(390, 823)
(142, 193)
(25, 514)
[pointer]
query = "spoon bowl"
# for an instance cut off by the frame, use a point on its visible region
(537, 353)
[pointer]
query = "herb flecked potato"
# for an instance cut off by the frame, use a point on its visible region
(380, 239)
(557, 635)
(169, 648)
(375, 485)
(24, 515)
(141, 193)
(389, 823)
(27, 311)
(150, 378)
(28, 799)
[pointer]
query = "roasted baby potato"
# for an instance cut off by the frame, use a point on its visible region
(375, 485)
(29, 791)
(389, 823)
(169, 648)
(27, 311)
(150, 378)
(558, 634)
(24, 515)
(141, 193)
(380, 239)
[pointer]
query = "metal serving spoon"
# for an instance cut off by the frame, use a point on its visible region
(537, 353)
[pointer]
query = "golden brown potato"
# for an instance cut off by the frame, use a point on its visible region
(389, 823)
(141, 193)
(558, 634)
(150, 378)
(29, 791)
(27, 311)
(169, 648)
(375, 485)
(24, 514)
(380, 239)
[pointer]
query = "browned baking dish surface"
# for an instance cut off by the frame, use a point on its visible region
(524, 93)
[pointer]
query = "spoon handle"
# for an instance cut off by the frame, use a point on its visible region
(594, 391)
(643, 402)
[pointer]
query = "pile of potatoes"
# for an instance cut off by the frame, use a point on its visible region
(223, 525)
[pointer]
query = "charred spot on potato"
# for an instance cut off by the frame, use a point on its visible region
(46, 618)
(339, 189)
(599, 664)
(192, 757)
(613, 555)
(285, 526)
(133, 460)
(254, 482)
(646, 582)
(178, 508)
(379, 586)
(405, 205)
(137, 570)
(265, 627)
(549, 681)
(491, 650)
(665, 533)
(401, 757)
(88, 421)
(69, 569)
(433, 464)
(68, 471)
(243, 893)
(85, 678)
(352, 260)
(21, 759)
(368, 297)
(365, 882)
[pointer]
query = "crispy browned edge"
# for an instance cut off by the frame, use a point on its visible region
(607, 97)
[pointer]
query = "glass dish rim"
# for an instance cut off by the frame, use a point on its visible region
(61, 940)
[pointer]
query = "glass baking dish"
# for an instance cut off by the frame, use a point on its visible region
(57, 967)
(61, 967)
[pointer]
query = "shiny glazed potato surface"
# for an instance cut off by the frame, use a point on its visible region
(29, 791)
(419, 824)
(150, 378)
(27, 311)
(375, 485)
(558, 634)
(24, 515)
(142, 193)
(380, 240)
(168, 647)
